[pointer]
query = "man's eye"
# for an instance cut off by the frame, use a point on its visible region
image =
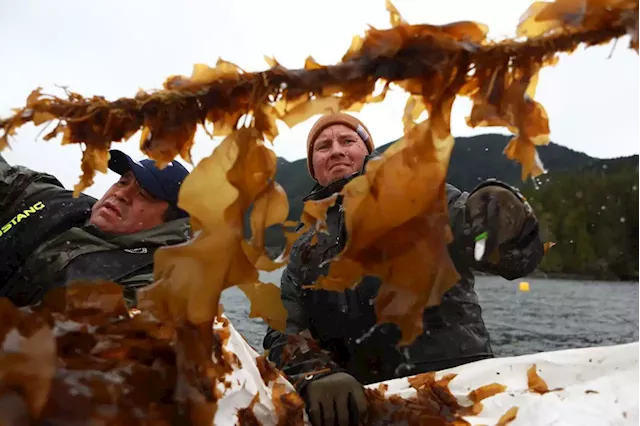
(348, 141)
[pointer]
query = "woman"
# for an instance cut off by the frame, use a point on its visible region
(346, 348)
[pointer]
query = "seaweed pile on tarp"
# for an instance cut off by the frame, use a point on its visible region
(429, 401)
(434, 64)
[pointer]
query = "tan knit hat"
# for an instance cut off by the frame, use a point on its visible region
(329, 120)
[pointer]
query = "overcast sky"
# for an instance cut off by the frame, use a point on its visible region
(113, 48)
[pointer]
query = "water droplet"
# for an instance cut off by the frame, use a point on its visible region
(536, 185)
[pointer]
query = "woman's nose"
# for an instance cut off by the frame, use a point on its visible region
(337, 148)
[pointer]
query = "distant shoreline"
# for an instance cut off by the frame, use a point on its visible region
(568, 277)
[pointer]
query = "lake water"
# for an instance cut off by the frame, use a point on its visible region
(554, 314)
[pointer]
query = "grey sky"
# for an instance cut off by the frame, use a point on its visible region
(113, 48)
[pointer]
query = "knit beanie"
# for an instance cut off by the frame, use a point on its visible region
(329, 120)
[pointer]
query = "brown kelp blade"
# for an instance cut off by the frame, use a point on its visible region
(166, 361)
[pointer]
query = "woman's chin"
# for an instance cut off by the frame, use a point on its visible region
(340, 172)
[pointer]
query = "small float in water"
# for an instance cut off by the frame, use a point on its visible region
(524, 286)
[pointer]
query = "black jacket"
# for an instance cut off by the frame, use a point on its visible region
(342, 324)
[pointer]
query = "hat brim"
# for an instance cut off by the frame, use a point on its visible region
(121, 163)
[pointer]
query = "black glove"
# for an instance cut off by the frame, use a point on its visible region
(336, 399)
(496, 213)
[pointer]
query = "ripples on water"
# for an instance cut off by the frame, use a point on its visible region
(554, 314)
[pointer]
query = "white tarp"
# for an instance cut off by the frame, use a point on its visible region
(599, 386)
(245, 384)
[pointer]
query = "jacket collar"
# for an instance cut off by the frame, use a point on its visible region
(174, 232)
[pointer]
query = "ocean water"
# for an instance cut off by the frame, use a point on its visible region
(553, 315)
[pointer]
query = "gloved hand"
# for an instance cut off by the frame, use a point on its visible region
(498, 212)
(336, 399)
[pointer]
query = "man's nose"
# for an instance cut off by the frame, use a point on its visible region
(125, 193)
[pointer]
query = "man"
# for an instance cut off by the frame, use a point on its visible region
(48, 238)
(347, 349)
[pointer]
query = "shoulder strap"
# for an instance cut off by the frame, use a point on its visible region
(111, 265)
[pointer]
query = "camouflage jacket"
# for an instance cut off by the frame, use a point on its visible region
(335, 331)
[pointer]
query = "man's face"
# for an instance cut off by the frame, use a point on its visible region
(337, 152)
(127, 208)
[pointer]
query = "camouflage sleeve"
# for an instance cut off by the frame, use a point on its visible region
(517, 258)
(295, 352)
(520, 257)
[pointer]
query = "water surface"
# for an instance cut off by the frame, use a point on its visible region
(554, 314)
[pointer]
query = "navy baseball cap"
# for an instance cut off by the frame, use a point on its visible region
(162, 184)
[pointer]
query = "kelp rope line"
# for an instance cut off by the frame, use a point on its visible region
(433, 64)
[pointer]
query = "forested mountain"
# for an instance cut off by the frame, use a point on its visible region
(473, 160)
(587, 206)
(591, 213)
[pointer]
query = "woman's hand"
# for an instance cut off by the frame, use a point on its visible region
(336, 399)
(497, 214)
